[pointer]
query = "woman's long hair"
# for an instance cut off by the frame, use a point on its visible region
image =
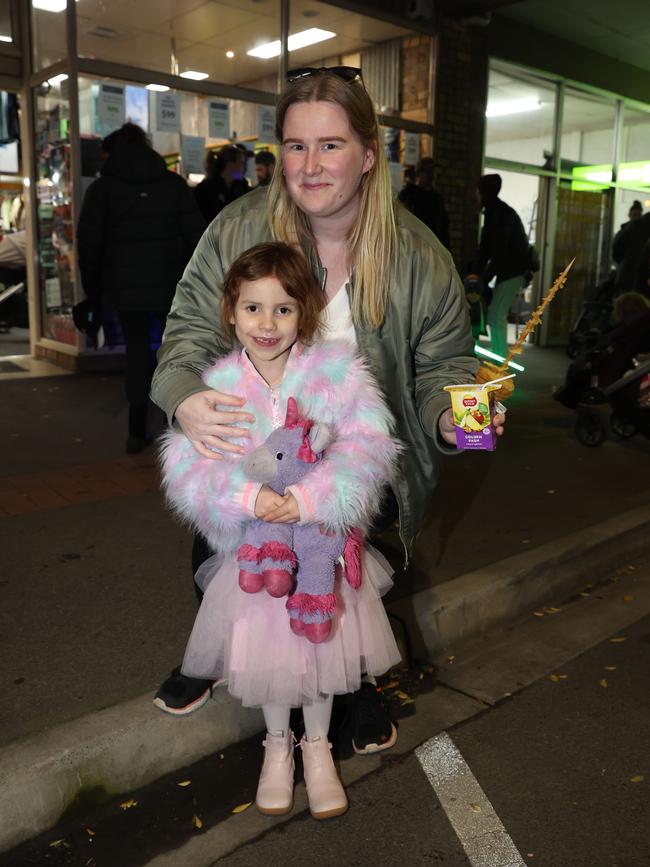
(373, 237)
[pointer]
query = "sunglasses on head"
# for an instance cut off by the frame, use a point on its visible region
(347, 73)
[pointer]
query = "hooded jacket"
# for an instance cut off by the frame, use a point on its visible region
(424, 343)
(138, 227)
(504, 250)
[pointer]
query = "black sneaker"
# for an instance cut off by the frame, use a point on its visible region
(372, 727)
(182, 695)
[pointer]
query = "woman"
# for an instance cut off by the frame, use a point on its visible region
(390, 285)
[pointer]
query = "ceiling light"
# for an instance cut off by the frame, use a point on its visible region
(6, 39)
(296, 40)
(50, 5)
(230, 54)
(57, 79)
(159, 88)
(512, 106)
(194, 75)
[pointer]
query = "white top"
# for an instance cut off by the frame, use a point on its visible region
(337, 318)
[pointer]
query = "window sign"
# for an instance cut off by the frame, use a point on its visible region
(192, 154)
(137, 106)
(168, 112)
(109, 107)
(266, 123)
(52, 293)
(219, 120)
(412, 149)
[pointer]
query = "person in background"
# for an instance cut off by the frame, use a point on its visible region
(138, 227)
(225, 180)
(630, 252)
(390, 288)
(504, 254)
(264, 167)
(420, 196)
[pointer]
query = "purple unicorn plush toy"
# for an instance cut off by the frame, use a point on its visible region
(271, 554)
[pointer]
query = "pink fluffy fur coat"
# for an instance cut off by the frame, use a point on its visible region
(331, 384)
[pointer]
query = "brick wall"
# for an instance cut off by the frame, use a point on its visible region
(459, 121)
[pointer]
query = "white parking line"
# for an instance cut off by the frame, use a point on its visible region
(479, 829)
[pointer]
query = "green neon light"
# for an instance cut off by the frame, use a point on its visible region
(597, 177)
(494, 357)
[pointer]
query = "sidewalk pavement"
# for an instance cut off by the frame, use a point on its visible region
(97, 596)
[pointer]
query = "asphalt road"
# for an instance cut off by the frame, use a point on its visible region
(550, 718)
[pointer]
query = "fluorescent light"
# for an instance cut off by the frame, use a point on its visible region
(57, 79)
(6, 39)
(195, 76)
(512, 106)
(296, 41)
(50, 5)
(159, 88)
(230, 54)
(488, 354)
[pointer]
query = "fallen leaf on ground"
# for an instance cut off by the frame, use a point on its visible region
(563, 676)
(554, 678)
(631, 568)
(56, 843)
(639, 778)
(126, 805)
(584, 593)
(628, 598)
(184, 783)
(450, 659)
(197, 822)
(610, 668)
(421, 676)
(617, 640)
(538, 613)
(242, 807)
(90, 832)
(475, 808)
(603, 683)
(552, 610)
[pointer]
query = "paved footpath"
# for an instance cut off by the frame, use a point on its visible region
(531, 748)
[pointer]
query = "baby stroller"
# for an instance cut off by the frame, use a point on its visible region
(594, 318)
(615, 372)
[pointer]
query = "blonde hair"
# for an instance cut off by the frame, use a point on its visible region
(372, 240)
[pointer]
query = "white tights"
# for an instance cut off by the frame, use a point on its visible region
(316, 716)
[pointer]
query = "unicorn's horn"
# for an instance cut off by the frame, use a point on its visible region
(292, 413)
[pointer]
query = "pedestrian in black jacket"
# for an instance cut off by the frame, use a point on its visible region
(224, 181)
(503, 253)
(138, 227)
(425, 201)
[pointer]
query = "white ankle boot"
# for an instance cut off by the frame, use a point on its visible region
(275, 789)
(324, 790)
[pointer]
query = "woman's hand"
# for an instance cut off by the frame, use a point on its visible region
(205, 427)
(287, 512)
(267, 500)
(448, 430)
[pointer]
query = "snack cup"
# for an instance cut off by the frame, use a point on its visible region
(473, 409)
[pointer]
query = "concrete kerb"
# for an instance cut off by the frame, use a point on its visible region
(449, 613)
(127, 746)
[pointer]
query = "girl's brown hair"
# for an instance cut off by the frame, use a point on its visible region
(291, 269)
(373, 238)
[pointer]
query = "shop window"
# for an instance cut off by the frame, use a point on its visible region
(6, 29)
(198, 41)
(519, 116)
(55, 227)
(587, 135)
(48, 32)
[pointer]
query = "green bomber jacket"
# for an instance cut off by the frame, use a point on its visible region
(424, 343)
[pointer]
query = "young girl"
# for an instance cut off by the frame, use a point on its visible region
(274, 302)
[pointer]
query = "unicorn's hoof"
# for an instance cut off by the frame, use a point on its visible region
(250, 582)
(297, 626)
(317, 632)
(278, 582)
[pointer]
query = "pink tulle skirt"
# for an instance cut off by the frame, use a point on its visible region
(246, 639)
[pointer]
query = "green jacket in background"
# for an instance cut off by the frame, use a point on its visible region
(424, 343)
